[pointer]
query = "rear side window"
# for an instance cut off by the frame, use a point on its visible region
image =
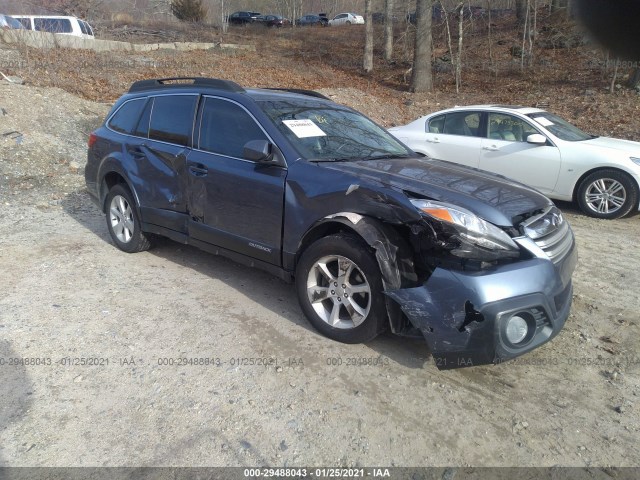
(436, 125)
(462, 123)
(53, 25)
(142, 129)
(26, 22)
(226, 128)
(172, 118)
(126, 118)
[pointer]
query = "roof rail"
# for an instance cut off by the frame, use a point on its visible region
(301, 91)
(182, 81)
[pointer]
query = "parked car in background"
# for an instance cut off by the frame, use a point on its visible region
(10, 23)
(309, 20)
(273, 21)
(373, 235)
(536, 148)
(243, 18)
(346, 19)
(64, 25)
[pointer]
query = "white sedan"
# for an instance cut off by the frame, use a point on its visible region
(346, 19)
(536, 148)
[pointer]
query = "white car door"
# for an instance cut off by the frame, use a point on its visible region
(339, 19)
(455, 137)
(507, 153)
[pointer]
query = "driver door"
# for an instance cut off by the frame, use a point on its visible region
(235, 203)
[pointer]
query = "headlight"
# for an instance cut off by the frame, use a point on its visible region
(635, 160)
(493, 243)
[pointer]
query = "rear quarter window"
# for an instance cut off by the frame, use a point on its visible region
(126, 118)
(172, 118)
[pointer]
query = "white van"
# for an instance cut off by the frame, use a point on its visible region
(56, 24)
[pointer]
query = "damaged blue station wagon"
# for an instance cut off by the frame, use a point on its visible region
(373, 235)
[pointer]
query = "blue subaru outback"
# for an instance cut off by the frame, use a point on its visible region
(373, 235)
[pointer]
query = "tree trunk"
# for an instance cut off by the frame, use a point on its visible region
(634, 78)
(388, 30)
(521, 11)
(421, 77)
(368, 37)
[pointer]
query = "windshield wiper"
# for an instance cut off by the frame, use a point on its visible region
(388, 156)
(320, 160)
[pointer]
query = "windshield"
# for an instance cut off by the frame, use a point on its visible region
(321, 131)
(559, 127)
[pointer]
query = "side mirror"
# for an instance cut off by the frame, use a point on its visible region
(258, 151)
(537, 139)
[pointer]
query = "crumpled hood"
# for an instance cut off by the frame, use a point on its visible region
(626, 147)
(491, 197)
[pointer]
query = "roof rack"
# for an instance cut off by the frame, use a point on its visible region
(301, 91)
(227, 85)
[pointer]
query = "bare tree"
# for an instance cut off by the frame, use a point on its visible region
(368, 37)
(421, 76)
(188, 10)
(388, 30)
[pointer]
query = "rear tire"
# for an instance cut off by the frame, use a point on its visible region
(340, 288)
(123, 221)
(608, 194)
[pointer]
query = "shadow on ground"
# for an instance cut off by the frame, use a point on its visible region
(17, 391)
(259, 286)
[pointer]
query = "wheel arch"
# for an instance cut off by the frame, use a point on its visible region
(391, 251)
(108, 180)
(576, 185)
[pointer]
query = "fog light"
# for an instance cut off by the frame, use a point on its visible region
(517, 329)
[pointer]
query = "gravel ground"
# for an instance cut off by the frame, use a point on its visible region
(67, 293)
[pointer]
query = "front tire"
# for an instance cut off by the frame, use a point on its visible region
(340, 288)
(608, 194)
(123, 221)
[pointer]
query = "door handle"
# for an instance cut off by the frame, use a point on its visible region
(434, 140)
(198, 170)
(492, 148)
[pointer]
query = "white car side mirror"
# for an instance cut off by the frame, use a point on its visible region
(537, 139)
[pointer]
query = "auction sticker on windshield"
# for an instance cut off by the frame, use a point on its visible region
(304, 128)
(543, 121)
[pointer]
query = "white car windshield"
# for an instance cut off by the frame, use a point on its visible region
(559, 127)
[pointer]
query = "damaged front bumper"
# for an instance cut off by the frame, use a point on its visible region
(463, 315)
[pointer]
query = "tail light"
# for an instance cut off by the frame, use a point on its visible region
(92, 139)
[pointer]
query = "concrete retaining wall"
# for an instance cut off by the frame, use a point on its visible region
(50, 40)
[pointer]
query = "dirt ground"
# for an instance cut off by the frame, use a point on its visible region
(67, 294)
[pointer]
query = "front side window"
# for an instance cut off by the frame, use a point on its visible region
(83, 28)
(226, 127)
(172, 118)
(462, 123)
(507, 127)
(126, 118)
(53, 25)
(319, 131)
(560, 127)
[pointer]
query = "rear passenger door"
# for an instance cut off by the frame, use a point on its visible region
(235, 203)
(456, 137)
(166, 126)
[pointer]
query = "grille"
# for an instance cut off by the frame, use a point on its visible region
(551, 233)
